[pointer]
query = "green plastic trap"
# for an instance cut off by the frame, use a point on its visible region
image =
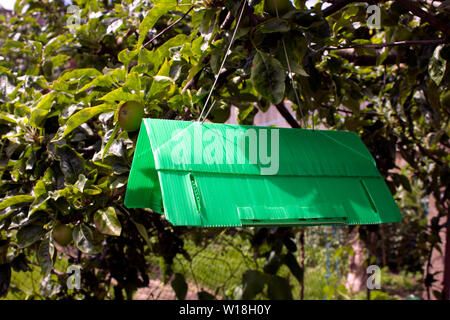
(211, 175)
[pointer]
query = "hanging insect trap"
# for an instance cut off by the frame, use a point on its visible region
(217, 175)
(207, 174)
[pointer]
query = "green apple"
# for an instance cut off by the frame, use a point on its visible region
(62, 234)
(283, 6)
(130, 115)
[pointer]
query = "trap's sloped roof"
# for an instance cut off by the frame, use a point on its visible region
(319, 177)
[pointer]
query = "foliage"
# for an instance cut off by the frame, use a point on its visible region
(64, 158)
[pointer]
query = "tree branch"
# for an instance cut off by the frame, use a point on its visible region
(368, 60)
(287, 115)
(392, 44)
(168, 28)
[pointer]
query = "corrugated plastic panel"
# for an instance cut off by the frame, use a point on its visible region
(301, 152)
(323, 177)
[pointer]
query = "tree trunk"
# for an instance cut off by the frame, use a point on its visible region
(356, 278)
(446, 280)
(302, 262)
(437, 263)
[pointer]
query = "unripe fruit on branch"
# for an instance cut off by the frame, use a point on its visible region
(62, 234)
(130, 115)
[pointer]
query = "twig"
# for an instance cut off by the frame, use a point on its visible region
(226, 24)
(167, 28)
(370, 113)
(391, 44)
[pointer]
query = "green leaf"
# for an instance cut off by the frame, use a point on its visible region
(293, 266)
(87, 239)
(29, 234)
(143, 232)
(274, 25)
(83, 116)
(39, 203)
(44, 255)
(78, 73)
(59, 60)
(110, 140)
(268, 77)
(304, 18)
(107, 222)
(383, 56)
(7, 118)
(203, 295)
(402, 180)
(296, 47)
(40, 188)
(13, 44)
(13, 200)
(120, 94)
(133, 82)
(180, 286)
(351, 103)
(253, 284)
(437, 66)
(126, 56)
(160, 8)
(160, 80)
(71, 163)
(41, 109)
(272, 264)
(164, 51)
(4, 70)
(147, 57)
(320, 30)
(109, 80)
(279, 288)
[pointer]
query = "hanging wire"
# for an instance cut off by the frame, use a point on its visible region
(329, 244)
(223, 61)
(209, 110)
(337, 258)
(294, 86)
(327, 263)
